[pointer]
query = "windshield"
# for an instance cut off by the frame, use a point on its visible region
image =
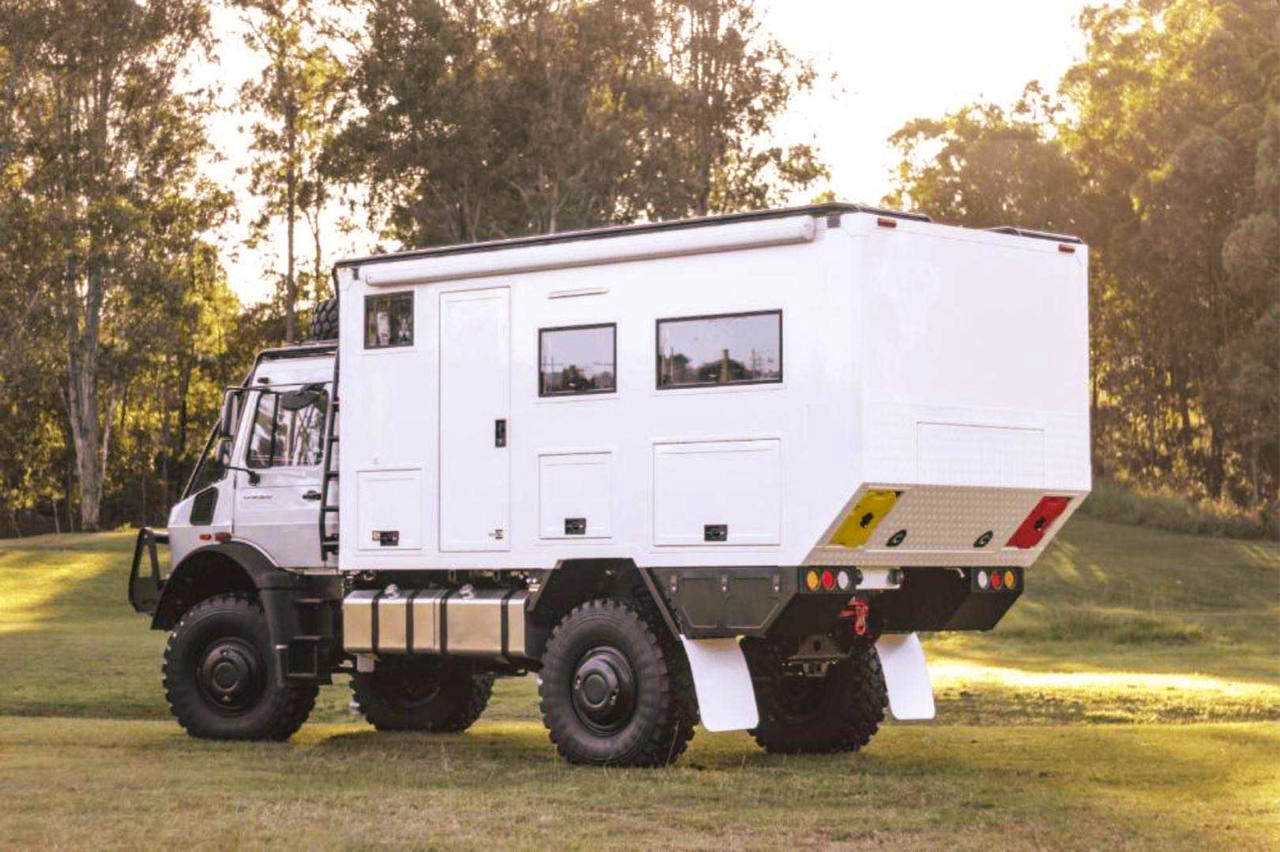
(211, 467)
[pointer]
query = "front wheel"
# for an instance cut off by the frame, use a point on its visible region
(613, 692)
(839, 711)
(218, 679)
(422, 694)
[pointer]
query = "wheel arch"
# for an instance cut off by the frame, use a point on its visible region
(576, 581)
(215, 570)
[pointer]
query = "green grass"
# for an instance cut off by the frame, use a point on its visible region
(1129, 700)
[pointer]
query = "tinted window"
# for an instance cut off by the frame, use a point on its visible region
(288, 429)
(727, 349)
(388, 320)
(577, 360)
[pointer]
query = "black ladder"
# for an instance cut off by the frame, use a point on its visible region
(329, 542)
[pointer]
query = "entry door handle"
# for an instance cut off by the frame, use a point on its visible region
(311, 495)
(500, 433)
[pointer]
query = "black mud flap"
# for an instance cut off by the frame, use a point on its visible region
(144, 589)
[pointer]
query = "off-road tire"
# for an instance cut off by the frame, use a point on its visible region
(218, 676)
(616, 688)
(324, 320)
(838, 712)
(422, 694)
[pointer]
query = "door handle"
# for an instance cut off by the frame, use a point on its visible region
(500, 433)
(311, 495)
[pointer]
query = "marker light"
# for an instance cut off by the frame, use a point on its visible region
(1010, 580)
(828, 580)
(983, 580)
(843, 580)
(1036, 524)
(997, 579)
(811, 580)
(864, 518)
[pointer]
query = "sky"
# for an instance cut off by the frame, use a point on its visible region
(892, 61)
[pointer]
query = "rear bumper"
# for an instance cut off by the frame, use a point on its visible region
(144, 587)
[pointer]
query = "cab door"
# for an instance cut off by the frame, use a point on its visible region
(279, 513)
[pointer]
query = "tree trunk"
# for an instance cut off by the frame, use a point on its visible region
(291, 211)
(82, 391)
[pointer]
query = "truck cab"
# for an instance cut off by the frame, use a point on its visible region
(261, 477)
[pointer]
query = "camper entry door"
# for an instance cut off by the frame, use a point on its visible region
(475, 394)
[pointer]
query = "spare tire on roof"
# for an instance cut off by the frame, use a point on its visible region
(324, 320)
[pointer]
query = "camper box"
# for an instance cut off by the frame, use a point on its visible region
(722, 392)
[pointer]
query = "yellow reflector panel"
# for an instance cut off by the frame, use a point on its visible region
(811, 580)
(1010, 579)
(871, 509)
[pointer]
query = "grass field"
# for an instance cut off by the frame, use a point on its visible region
(1129, 700)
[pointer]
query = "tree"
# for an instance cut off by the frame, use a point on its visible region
(296, 93)
(494, 118)
(102, 149)
(730, 80)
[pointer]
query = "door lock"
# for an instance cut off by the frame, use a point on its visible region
(500, 433)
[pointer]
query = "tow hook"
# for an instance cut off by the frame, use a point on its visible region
(857, 612)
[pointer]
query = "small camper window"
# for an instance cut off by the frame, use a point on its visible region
(388, 320)
(724, 349)
(577, 360)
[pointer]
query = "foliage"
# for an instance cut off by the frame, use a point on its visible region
(102, 154)
(1167, 510)
(484, 119)
(1161, 150)
(296, 93)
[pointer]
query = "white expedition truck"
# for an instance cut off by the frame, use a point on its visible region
(717, 470)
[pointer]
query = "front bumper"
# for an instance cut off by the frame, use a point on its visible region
(144, 589)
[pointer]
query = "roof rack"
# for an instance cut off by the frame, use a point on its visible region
(1036, 235)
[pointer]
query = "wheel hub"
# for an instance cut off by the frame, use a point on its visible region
(230, 675)
(604, 693)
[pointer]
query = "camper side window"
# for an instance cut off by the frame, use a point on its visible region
(724, 349)
(388, 320)
(577, 360)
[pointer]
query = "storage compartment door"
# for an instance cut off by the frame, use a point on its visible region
(389, 509)
(575, 495)
(718, 493)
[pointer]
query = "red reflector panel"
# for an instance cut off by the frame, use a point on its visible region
(1032, 529)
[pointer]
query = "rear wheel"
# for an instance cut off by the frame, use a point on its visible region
(422, 694)
(614, 689)
(839, 711)
(218, 680)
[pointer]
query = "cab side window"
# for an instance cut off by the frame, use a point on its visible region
(288, 429)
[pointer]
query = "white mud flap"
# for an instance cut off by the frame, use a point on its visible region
(726, 699)
(906, 675)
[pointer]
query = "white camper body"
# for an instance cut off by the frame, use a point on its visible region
(947, 364)
(719, 470)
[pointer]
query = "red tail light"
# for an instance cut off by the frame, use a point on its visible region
(1036, 524)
